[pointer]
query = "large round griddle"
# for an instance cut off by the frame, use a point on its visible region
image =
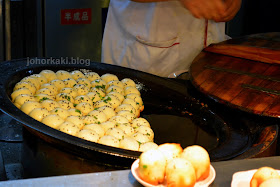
(168, 107)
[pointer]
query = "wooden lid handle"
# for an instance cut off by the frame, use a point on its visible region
(258, 47)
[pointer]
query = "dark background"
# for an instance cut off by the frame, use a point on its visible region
(255, 16)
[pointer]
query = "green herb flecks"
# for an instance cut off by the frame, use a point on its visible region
(78, 111)
(100, 87)
(107, 99)
(43, 99)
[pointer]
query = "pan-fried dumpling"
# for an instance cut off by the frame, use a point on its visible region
(69, 83)
(141, 138)
(109, 140)
(69, 128)
(107, 125)
(98, 115)
(27, 85)
(108, 110)
(119, 119)
(200, 160)
(132, 103)
(95, 127)
(45, 91)
(129, 143)
(170, 150)
(112, 100)
(109, 77)
(60, 112)
(77, 74)
(69, 91)
(49, 104)
(61, 74)
(50, 86)
(82, 99)
(180, 172)
(85, 108)
(115, 83)
(76, 120)
(83, 81)
(152, 167)
(114, 89)
(49, 74)
(118, 95)
(127, 114)
(39, 113)
(32, 80)
(139, 122)
(130, 89)
(147, 131)
(126, 107)
(94, 96)
(148, 146)
(81, 89)
(99, 91)
(41, 78)
(128, 82)
(21, 91)
(138, 100)
(127, 129)
(116, 132)
(91, 76)
(42, 97)
(75, 112)
(89, 135)
(28, 106)
(98, 83)
(53, 121)
(101, 103)
(21, 99)
(89, 120)
(65, 104)
(64, 96)
(59, 84)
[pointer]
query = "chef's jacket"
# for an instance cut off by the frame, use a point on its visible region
(158, 38)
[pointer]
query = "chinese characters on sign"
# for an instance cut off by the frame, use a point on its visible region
(75, 16)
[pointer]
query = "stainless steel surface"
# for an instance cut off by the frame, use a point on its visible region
(7, 32)
(1, 32)
(224, 171)
(78, 41)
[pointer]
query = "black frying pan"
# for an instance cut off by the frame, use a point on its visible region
(168, 107)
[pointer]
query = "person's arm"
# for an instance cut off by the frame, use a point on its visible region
(150, 1)
(233, 7)
(217, 10)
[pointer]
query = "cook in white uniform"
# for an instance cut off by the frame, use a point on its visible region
(163, 37)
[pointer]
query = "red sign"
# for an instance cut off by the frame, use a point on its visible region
(75, 16)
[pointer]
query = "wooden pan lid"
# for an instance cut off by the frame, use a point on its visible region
(242, 72)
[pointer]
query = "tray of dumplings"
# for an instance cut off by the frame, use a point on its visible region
(97, 108)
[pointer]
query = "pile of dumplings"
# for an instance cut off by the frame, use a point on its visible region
(171, 165)
(97, 108)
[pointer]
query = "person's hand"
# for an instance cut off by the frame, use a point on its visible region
(233, 7)
(217, 10)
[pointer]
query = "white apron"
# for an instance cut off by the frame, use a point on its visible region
(158, 38)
